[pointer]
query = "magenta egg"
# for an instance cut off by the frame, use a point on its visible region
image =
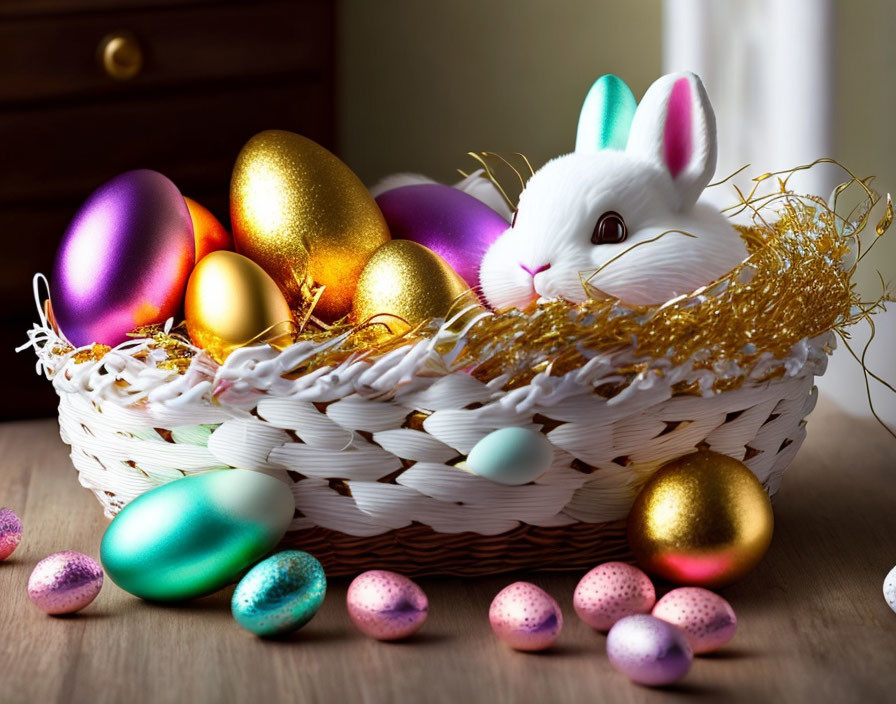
(525, 617)
(124, 259)
(385, 605)
(610, 592)
(648, 650)
(453, 224)
(10, 532)
(706, 618)
(65, 582)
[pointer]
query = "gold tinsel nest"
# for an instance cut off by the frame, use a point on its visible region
(796, 283)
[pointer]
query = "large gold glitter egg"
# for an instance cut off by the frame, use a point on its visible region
(301, 213)
(703, 519)
(404, 284)
(231, 302)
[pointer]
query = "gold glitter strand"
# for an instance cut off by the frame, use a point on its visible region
(491, 177)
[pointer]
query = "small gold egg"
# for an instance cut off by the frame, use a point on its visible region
(703, 519)
(231, 302)
(301, 213)
(405, 284)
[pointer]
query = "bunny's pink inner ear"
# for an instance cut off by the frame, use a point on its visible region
(678, 141)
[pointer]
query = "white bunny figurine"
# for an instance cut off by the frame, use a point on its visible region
(635, 173)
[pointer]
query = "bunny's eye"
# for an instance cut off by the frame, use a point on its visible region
(610, 229)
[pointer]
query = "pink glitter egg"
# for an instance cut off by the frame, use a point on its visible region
(385, 605)
(706, 618)
(525, 617)
(65, 582)
(612, 591)
(10, 532)
(649, 651)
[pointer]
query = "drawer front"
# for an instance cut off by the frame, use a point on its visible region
(53, 58)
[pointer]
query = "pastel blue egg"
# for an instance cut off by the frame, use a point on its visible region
(511, 456)
(280, 594)
(193, 536)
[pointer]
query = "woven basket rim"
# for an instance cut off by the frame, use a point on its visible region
(134, 373)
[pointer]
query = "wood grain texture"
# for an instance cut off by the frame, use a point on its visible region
(813, 622)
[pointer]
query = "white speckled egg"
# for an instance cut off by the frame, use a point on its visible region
(386, 605)
(525, 617)
(890, 588)
(612, 591)
(511, 456)
(706, 618)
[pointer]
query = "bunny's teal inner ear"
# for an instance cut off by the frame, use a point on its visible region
(606, 115)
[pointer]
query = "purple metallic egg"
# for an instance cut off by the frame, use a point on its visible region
(386, 605)
(454, 225)
(525, 617)
(648, 650)
(10, 532)
(65, 582)
(124, 260)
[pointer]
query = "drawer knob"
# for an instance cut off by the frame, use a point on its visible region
(121, 55)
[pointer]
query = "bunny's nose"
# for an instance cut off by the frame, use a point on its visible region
(533, 272)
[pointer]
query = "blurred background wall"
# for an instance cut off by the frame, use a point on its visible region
(422, 83)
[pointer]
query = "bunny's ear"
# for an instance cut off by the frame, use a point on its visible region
(675, 128)
(606, 115)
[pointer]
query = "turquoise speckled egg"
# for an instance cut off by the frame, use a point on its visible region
(511, 456)
(280, 594)
(193, 536)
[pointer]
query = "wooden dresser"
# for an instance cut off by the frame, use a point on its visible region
(91, 88)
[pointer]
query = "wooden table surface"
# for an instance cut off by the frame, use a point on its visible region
(813, 623)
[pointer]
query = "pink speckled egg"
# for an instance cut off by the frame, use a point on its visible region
(10, 532)
(385, 605)
(612, 591)
(705, 617)
(65, 582)
(525, 617)
(648, 650)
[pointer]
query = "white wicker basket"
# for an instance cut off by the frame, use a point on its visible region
(370, 447)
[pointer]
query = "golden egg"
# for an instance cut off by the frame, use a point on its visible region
(404, 284)
(231, 302)
(703, 519)
(304, 216)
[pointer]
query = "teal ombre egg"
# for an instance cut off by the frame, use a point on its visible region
(511, 456)
(192, 536)
(280, 594)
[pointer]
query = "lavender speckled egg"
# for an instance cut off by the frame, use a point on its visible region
(280, 594)
(385, 605)
(890, 589)
(10, 532)
(453, 224)
(610, 592)
(706, 618)
(124, 259)
(525, 617)
(65, 582)
(649, 650)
